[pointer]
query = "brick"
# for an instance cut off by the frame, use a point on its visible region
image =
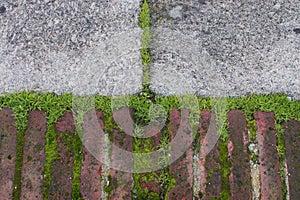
(34, 156)
(122, 182)
(8, 133)
(239, 178)
(90, 177)
(66, 123)
(182, 168)
(292, 155)
(62, 168)
(268, 156)
(210, 176)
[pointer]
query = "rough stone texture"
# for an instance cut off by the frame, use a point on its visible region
(62, 169)
(66, 46)
(8, 133)
(90, 177)
(210, 176)
(34, 156)
(66, 123)
(121, 181)
(268, 156)
(292, 155)
(225, 48)
(239, 178)
(182, 169)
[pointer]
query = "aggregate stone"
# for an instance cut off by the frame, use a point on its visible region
(225, 48)
(57, 45)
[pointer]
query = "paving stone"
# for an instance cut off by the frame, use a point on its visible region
(62, 168)
(268, 156)
(182, 169)
(90, 177)
(210, 176)
(34, 156)
(122, 182)
(66, 123)
(239, 178)
(292, 155)
(8, 133)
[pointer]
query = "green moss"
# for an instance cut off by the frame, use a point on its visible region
(225, 170)
(109, 187)
(77, 167)
(18, 166)
(51, 156)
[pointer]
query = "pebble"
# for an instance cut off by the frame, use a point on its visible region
(297, 30)
(2, 9)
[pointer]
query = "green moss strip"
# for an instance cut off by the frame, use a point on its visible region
(77, 146)
(51, 155)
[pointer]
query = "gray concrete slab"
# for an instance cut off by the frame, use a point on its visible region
(225, 48)
(85, 47)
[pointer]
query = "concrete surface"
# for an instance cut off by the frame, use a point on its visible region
(226, 48)
(69, 46)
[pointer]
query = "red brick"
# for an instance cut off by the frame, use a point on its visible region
(90, 177)
(123, 118)
(210, 186)
(34, 156)
(239, 178)
(182, 168)
(268, 156)
(62, 168)
(8, 133)
(90, 183)
(122, 181)
(292, 155)
(66, 123)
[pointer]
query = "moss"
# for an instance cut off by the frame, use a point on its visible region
(18, 166)
(77, 167)
(51, 156)
(109, 187)
(225, 170)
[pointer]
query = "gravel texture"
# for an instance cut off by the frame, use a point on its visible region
(70, 46)
(226, 48)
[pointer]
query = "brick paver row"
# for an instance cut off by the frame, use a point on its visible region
(181, 170)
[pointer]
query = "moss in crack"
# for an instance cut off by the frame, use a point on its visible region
(51, 156)
(225, 170)
(77, 146)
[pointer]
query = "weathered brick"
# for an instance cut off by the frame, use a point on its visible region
(122, 182)
(62, 168)
(66, 123)
(8, 133)
(239, 178)
(90, 177)
(34, 156)
(182, 168)
(292, 155)
(210, 176)
(268, 156)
